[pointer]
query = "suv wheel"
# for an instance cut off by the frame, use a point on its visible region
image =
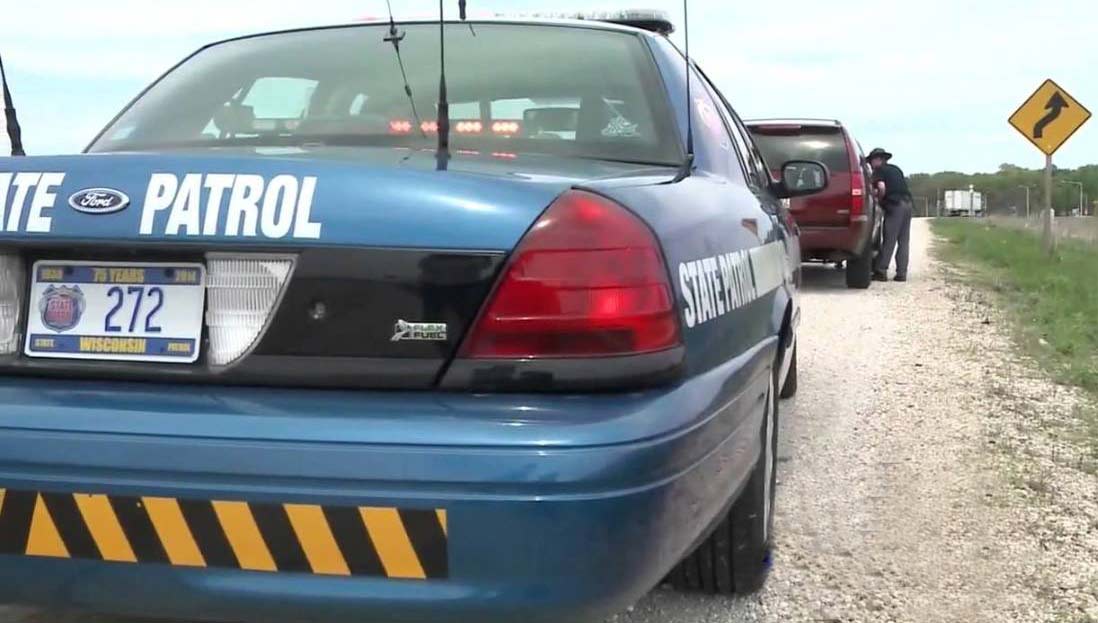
(859, 270)
(736, 558)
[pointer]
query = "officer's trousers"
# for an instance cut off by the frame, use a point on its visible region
(897, 237)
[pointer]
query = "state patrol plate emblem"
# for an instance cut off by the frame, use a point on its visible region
(61, 307)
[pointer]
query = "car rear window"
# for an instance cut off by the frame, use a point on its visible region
(782, 143)
(515, 88)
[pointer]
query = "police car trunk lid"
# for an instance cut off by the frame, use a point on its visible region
(389, 265)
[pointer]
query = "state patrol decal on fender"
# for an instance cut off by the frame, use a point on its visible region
(714, 286)
(99, 201)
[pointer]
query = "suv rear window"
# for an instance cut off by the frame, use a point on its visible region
(599, 97)
(782, 143)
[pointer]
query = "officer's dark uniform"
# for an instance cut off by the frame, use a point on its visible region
(897, 206)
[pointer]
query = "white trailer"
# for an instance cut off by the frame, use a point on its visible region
(964, 203)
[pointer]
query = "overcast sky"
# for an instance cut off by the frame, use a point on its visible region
(933, 81)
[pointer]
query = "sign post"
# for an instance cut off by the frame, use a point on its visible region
(1048, 119)
(1048, 183)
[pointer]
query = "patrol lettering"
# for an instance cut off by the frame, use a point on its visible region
(26, 198)
(230, 205)
(244, 206)
(217, 184)
(186, 208)
(706, 293)
(717, 284)
(687, 295)
(714, 286)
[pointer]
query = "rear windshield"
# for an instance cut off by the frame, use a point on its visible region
(781, 144)
(513, 88)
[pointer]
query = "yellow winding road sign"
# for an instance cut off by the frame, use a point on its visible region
(1049, 117)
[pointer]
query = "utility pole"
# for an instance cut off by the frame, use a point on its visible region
(926, 205)
(1082, 206)
(1027, 199)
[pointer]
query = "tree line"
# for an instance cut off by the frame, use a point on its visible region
(1005, 190)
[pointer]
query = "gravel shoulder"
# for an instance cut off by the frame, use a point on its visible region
(928, 472)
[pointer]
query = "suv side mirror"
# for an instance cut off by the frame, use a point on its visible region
(802, 177)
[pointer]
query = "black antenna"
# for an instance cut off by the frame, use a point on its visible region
(15, 133)
(443, 155)
(687, 163)
(395, 37)
(464, 15)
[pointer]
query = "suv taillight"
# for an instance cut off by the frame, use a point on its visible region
(857, 183)
(588, 280)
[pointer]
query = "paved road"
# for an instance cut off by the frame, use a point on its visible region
(890, 508)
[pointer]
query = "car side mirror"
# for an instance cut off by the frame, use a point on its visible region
(802, 177)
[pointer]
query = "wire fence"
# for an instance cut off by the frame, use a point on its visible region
(1083, 228)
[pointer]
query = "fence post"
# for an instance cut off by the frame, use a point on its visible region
(1048, 231)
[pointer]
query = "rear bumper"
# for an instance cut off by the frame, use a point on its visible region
(557, 508)
(831, 243)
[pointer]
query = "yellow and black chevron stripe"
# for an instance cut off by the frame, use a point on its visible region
(286, 538)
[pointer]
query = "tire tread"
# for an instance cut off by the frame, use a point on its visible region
(732, 560)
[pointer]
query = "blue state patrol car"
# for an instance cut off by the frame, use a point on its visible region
(273, 351)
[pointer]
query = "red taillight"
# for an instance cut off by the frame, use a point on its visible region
(587, 280)
(857, 195)
(400, 126)
(857, 183)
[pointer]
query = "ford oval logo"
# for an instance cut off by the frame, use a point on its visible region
(99, 201)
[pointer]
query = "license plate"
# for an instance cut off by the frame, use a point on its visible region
(118, 311)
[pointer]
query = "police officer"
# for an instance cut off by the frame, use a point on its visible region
(890, 186)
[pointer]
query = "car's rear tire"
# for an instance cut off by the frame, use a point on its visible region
(736, 557)
(859, 270)
(789, 388)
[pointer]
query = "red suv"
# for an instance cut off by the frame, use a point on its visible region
(842, 223)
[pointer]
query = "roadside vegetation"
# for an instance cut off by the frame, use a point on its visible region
(1005, 189)
(1052, 301)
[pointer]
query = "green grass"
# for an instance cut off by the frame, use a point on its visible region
(1053, 301)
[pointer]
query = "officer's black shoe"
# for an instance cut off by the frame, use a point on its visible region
(880, 276)
(900, 278)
